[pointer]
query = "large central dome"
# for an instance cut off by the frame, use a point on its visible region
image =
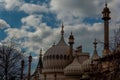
(57, 57)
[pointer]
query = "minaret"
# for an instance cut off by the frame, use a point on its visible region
(106, 18)
(22, 68)
(29, 66)
(71, 42)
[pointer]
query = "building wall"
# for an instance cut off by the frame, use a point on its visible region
(51, 76)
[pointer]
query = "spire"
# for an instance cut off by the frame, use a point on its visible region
(105, 4)
(40, 59)
(40, 64)
(62, 31)
(40, 53)
(95, 54)
(62, 41)
(95, 44)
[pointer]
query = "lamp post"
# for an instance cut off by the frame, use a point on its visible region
(29, 66)
(22, 68)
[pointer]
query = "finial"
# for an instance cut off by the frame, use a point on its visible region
(95, 44)
(105, 3)
(71, 32)
(54, 44)
(62, 31)
(30, 58)
(76, 52)
(30, 54)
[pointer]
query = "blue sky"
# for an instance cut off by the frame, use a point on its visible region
(36, 24)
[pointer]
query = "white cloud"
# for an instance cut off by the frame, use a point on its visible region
(21, 5)
(33, 8)
(13, 4)
(34, 39)
(71, 11)
(115, 12)
(4, 24)
(67, 10)
(32, 20)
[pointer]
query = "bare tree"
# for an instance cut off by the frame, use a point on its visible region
(10, 58)
(115, 41)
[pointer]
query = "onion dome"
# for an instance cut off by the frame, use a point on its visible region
(57, 57)
(74, 68)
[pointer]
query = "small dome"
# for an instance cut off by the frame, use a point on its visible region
(74, 68)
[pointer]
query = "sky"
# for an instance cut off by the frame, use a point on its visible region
(36, 24)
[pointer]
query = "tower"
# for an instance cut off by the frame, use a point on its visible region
(71, 42)
(29, 66)
(106, 18)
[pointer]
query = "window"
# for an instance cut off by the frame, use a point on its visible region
(53, 56)
(61, 57)
(64, 57)
(68, 57)
(57, 56)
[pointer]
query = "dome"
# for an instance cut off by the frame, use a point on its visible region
(57, 57)
(74, 68)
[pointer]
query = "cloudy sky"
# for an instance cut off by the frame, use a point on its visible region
(36, 24)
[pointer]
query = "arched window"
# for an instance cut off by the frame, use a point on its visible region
(57, 56)
(50, 57)
(47, 57)
(53, 56)
(68, 57)
(64, 57)
(44, 57)
(61, 57)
